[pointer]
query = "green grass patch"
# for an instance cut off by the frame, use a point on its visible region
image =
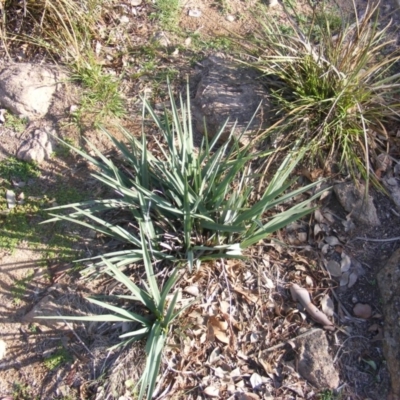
(21, 392)
(101, 98)
(16, 123)
(19, 287)
(167, 13)
(58, 358)
(12, 168)
(63, 150)
(218, 43)
(22, 223)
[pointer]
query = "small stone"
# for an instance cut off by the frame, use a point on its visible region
(355, 201)
(124, 20)
(36, 148)
(195, 13)
(273, 3)
(135, 3)
(361, 310)
(230, 18)
(162, 39)
(27, 89)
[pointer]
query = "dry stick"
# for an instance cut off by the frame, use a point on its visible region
(340, 347)
(393, 239)
(76, 335)
(230, 293)
(278, 346)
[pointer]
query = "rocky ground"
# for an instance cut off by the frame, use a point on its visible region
(253, 333)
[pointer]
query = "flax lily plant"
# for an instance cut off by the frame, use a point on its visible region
(153, 326)
(194, 202)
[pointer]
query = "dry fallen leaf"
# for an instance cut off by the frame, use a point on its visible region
(344, 280)
(192, 290)
(248, 396)
(215, 355)
(352, 279)
(211, 391)
(247, 294)
(309, 281)
(334, 268)
(332, 240)
(217, 328)
(302, 236)
(327, 305)
(345, 264)
(256, 381)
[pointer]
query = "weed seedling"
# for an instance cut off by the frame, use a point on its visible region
(167, 13)
(15, 123)
(12, 168)
(60, 357)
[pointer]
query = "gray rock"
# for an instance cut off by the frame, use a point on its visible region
(27, 89)
(36, 148)
(227, 90)
(314, 363)
(389, 286)
(354, 201)
(46, 307)
(393, 187)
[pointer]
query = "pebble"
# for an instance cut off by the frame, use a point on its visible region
(136, 3)
(230, 18)
(124, 19)
(361, 310)
(195, 13)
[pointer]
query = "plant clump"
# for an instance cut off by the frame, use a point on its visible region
(336, 95)
(178, 205)
(195, 203)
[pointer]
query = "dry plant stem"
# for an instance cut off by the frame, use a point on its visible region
(278, 346)
(340, 347)
(228, 286)
(340, 303)
(393, 239)
(76, 335)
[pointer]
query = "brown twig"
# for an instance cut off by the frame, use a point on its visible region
(393, 239)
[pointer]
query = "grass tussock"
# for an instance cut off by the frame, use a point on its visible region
(66, 30)
(336, 94)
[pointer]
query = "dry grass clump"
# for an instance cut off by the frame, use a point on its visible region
(66, 31)
(338, 95)
(63, 27)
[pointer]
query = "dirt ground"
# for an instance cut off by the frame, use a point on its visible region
(65, 360)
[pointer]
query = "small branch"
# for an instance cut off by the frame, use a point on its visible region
(393, 239)
(76, 335)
